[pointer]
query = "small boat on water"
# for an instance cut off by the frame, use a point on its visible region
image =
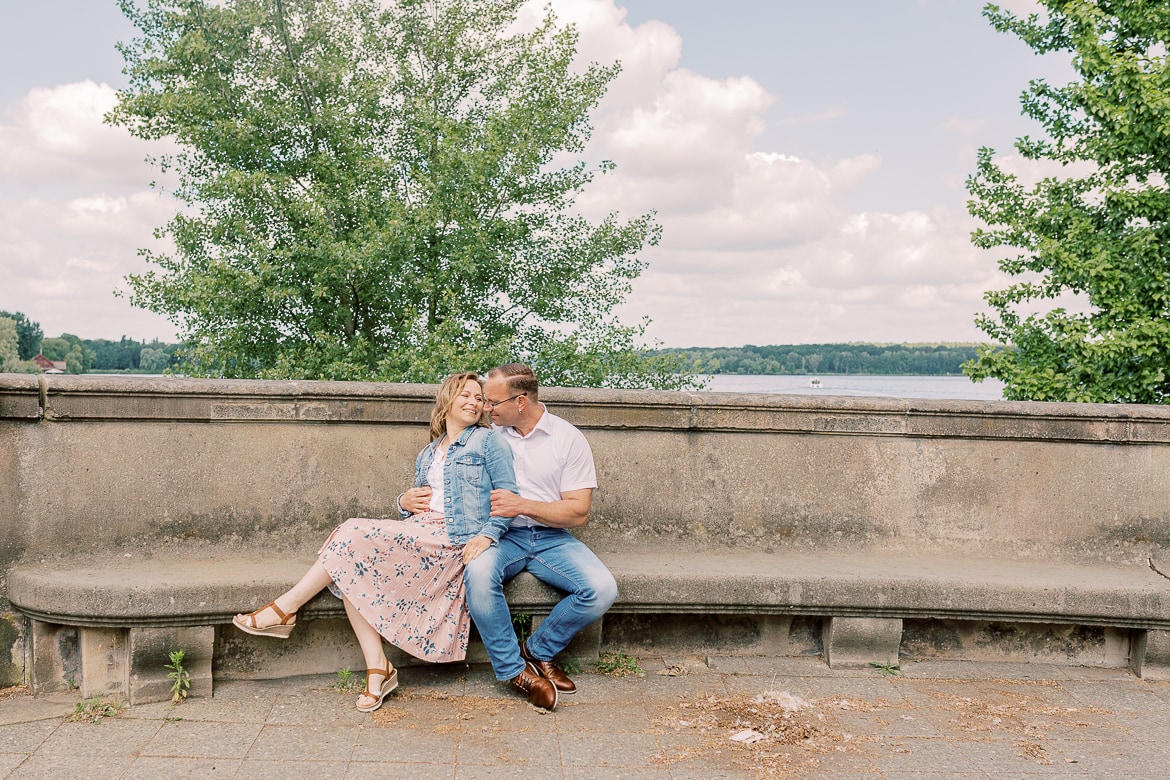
(815, 383)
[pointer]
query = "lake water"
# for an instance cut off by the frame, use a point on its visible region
(958, 387)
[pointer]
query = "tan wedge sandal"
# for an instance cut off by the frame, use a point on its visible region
(281, 630)
(389, 683)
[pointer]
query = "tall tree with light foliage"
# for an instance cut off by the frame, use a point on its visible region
(381, 190)
(28, 334)
(8, 342)
(1098, 233)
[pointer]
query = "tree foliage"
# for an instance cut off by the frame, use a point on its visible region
(380, 190)
(28, 334)
(8, 341)
(1100, 237)
(871, 359)
(10, 362)
(106, 355)
(71, 349)
(128, 355)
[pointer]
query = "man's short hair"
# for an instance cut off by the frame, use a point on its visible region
(521, 379)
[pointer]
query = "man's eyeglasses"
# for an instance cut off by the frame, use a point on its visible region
(494, 404)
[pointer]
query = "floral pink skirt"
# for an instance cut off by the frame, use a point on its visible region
(406, 578)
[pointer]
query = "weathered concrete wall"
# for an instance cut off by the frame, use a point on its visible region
(124, 464)
(1069, 500)
(118, 464)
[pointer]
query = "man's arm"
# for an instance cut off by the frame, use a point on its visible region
(572, 511)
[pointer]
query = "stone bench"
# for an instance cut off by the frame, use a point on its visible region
(110, 623)
(856, 529)
(113, 621)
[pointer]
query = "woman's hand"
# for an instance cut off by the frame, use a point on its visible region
(475, 546)
(416, 500)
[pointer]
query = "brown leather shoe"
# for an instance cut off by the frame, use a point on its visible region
(549, 671)
(540, 691)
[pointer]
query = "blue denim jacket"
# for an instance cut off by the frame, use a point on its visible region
(477, 463)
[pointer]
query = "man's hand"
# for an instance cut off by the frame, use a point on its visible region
(505, 503)
(572, 511)
(475, 546)
(416, 500)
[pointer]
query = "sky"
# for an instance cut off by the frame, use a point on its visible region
(806, 162)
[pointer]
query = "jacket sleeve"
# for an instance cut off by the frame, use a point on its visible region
(417, 483)
(501, 476)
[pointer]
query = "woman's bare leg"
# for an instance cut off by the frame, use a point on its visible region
(314, 581)
(372, 650)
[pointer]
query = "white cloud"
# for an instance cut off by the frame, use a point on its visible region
(647, 52)
(74, 210)
(757, 245)
(54, 141)
(875, 277)
(692, 124)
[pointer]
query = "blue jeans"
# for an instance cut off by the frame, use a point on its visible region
(554, 556)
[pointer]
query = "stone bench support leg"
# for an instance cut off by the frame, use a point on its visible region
(853, 643)
(54, 656)
(1150, 656)
(105, 663)
(150, 650)
(131, 663)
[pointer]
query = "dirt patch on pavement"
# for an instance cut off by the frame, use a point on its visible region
(774, 734)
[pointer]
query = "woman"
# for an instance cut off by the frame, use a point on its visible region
(403, 579)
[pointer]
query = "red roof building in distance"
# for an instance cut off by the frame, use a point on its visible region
(49, 366)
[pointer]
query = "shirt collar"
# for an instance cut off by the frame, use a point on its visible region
(543, 424)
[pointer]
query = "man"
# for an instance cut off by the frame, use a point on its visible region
(556, 477)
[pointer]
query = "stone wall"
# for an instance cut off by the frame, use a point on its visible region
(146, 465)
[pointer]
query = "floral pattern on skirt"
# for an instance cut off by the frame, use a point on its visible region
(406, 578)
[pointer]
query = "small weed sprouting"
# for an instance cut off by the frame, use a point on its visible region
(71, 684)
(180, 678)
(347, 681)
(618, 665)
(522, 625)
(888, 669)
(570, 666)
(93, 710)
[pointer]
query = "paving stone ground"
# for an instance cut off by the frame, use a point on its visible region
(794, 717)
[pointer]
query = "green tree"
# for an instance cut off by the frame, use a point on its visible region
(380, 191)
(79, 358)
(8, 341)
(153, 360)
(55, 349)
(29, 334)
(69, 348)
(10, 361)
(1099, 233)
(75, 362)
(106, 355)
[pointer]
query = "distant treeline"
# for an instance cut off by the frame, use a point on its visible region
(106, 356)
(130, 356)
(876, 359)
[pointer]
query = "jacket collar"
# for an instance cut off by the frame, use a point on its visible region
(468, 432)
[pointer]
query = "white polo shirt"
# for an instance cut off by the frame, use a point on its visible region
(552, 459)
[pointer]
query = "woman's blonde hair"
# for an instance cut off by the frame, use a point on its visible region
(445, 399)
